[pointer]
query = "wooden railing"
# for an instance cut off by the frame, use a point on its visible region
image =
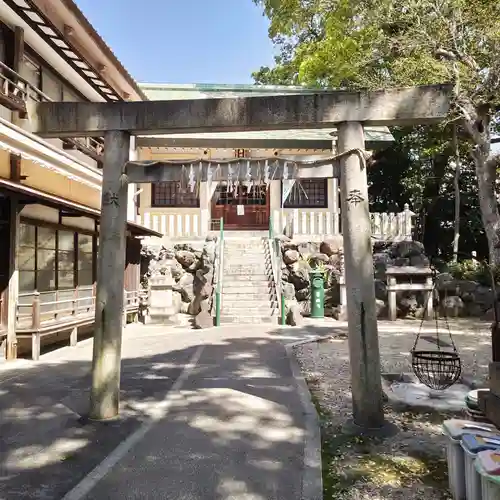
(385, 226)
(13, 95)
(16, 91)
(36, 310)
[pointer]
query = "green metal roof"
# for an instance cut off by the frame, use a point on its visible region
(167, 92)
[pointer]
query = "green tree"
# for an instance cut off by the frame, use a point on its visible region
(381, 43)
(421, 172)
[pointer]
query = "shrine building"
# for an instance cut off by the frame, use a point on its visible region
(309, 207)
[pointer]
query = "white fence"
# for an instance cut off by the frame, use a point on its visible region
(181, 225)
(385, 226)
(302, 222)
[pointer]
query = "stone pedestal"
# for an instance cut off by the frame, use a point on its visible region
(161, 300)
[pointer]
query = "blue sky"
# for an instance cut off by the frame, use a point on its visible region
(184, 41)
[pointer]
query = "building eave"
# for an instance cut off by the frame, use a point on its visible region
(62, 36)
(31, 147)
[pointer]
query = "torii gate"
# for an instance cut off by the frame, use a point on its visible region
(347, 111)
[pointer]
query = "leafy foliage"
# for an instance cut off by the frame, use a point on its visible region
(381, 43)
(472, 270)
(378, 43)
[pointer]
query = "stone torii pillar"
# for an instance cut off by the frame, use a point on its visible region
(361, 311)
(105, 392)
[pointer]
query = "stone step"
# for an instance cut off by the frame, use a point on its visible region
(259, 301)
(239, 235)
(242, 287)
(248, 319)
(239, 270)
(247, 311)
(234, 294)
(261, 277)
(244, 248)
(231, 282)
(243, 262)
(238, 253)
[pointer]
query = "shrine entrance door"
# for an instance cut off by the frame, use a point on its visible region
(244, 207)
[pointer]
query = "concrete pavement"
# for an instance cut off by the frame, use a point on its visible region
(213, 414)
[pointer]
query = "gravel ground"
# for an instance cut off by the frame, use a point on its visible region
(410, 465)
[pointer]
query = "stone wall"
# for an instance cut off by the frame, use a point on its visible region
(192, 270)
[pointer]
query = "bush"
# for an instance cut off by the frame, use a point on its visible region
(473, 270)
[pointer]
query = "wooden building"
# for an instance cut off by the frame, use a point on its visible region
(50, 190)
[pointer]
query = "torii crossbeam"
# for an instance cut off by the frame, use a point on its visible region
(347, 111)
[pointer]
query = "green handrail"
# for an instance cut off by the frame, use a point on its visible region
(283, 315)
(276, 250)
(218, 291)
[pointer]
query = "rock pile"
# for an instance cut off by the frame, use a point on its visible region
(456, 297)
(299, 259)
(192, 270)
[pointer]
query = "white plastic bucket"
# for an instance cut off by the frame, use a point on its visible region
(490, 485)
(456, 468)
(472, 478)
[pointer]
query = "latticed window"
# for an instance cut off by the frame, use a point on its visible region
(52, 259)
(171, 194)
(308, 193)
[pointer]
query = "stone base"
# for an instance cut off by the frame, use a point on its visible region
(491, 404)
(169, 318)
(340, 313)
(405, 389)
(494, 371)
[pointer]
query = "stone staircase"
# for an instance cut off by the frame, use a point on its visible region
(248, 292)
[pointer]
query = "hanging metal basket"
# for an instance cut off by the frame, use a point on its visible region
(438, 370)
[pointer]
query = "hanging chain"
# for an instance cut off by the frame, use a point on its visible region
(435, 293)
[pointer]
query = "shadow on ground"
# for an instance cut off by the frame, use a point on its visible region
(236, 430)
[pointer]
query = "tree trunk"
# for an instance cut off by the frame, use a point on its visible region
(486, 179)
(456, 182)
(477, 121)
(488, 204)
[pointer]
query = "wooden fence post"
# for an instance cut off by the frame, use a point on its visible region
(35, 311)
(35, 324)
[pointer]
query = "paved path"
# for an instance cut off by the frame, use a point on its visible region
(212, 414)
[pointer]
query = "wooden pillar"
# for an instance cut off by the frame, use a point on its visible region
(361, 311)
(104, 398)
(13, 286)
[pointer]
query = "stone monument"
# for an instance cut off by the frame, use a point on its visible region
(161, 299)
